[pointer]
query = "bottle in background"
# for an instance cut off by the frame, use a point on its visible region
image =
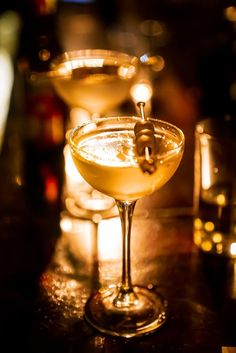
(44, 113)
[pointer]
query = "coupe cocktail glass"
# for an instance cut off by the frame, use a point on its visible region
(104, 153)
(94, 79)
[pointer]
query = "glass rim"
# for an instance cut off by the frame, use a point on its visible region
(181, 138)
(92, 54)
(217, 129)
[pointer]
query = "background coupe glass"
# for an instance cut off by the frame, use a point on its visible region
(94, 79)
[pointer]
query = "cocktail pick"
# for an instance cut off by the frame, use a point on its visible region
(145, 142)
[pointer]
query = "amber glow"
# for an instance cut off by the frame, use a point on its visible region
(197, 223)
(155, 62)
(230, 13)
(6, 77)
(209, 226)
(206, 162)
(70, 65)
(233, 249)
(126, 72)
(197, 237)
(217, 237)
(51, 188)
(73, 178)
(109, 240)
(141, 92)
(219, 248)
(78, 116)
(221, 199)
(66, 224)
(44, 54)
(206, 245)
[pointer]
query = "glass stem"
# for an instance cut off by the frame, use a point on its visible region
(126, 296)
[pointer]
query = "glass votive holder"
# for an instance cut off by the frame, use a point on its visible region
(215, 186)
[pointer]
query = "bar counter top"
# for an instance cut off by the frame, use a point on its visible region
(47, 274)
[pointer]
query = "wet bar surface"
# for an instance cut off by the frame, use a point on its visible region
(47, 274)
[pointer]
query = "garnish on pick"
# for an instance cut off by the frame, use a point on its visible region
(145, 142)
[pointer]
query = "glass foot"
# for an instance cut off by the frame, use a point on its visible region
(147, 314)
